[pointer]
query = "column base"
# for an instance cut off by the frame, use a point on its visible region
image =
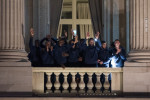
(136, 73)
(15, 79)
(15, 72)
(142, 56)
(13, 56)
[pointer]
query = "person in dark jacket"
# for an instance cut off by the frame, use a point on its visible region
(103, 55)
(117, 55)
(82, 44)
(34, 55)
(47, 55)
(91, 52)
(48, 38)
(73, 53)
(60, 53)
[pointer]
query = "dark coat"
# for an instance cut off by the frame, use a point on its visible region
(117, 60)
(34, 55)
(47, 57)
(73, 54)
(90, 55)
(103, 55)
(58, 51)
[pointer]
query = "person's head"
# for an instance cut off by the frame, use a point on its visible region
(48, 37)
(104, 44)
(72, 42)
(48, 44)
(117, 43)
(61, 42)
(37, 42)
(91, 42)
(82, 40)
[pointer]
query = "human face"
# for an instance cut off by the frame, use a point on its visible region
(91, 43)
(61, 42)
(72, 42)
(117, 44)
(104, 45)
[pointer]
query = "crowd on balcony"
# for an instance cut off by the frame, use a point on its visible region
(88, 52)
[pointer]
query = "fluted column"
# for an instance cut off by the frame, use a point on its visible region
(139, 26)
(139, 30)
(12, 46)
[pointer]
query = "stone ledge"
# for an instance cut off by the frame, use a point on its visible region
(74, 98)
(136, 64)
(15, 64)
(29, 95)
(75, 69)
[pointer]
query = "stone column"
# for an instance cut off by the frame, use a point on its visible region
(137, 69)
(139, 31)
(12, 46)
(15, 69)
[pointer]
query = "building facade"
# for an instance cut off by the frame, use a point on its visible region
(128, 20)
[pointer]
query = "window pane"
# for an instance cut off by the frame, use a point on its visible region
(67, 9)
(83, 11)
(82, 29)
(64, 28)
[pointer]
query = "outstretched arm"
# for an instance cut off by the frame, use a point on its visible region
(31, 38)
(41, 43)
(97, 40)
(31, 43)
(48, 38)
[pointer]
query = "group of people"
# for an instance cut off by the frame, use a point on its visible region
(88, 52)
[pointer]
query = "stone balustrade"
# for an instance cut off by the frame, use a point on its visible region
(73, 81)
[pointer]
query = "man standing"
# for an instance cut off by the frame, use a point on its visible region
(103, 55)
(91, 51)
(47, 55)
(118, 55)
(34, 55)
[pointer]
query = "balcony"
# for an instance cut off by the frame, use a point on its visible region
(84, 82)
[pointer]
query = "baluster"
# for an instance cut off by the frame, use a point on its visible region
(106, 84)
(57, 84)
(98, 84)
(82, 84)
(90, 83)
(65, 84)
(48, 84)
(73, 84)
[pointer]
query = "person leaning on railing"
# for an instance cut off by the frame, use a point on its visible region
(73, 53)
(90, 52)
(103, 55)
(117, 56)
